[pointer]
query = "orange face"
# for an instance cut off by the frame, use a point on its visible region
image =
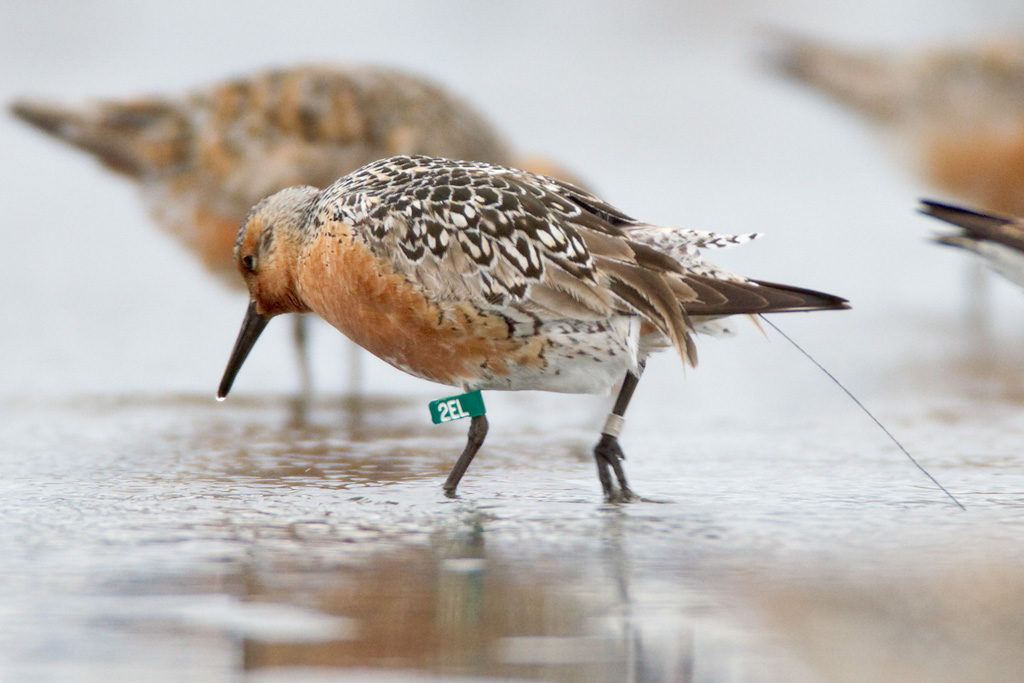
(266, 253)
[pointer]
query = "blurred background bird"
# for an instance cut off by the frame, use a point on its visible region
(997, 240)
(956, 115)
(202, 158)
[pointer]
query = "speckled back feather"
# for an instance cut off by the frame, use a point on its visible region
(525, 244)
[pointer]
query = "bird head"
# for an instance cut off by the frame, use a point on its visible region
(266, 253)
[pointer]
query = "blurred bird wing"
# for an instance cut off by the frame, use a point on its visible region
(976, 226)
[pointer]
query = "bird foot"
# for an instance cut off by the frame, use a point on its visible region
(609, 456)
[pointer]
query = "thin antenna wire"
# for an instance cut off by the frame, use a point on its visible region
(862, 407)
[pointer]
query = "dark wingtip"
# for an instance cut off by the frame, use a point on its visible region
(975, 225)
(45, 117)
(953, 241)
(107, 138)
(840, 304)
(18, 108)
(927, 204)
(785, 51)
(806, 299)
(950, 212)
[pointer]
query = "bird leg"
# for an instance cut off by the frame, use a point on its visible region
(300, 335)
(477, 433)
(607, 452)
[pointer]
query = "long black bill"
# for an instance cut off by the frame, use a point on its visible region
(252, 325)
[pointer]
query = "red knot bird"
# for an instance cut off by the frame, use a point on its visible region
(959, 113)
(998, 240)
(202, 158)
(484, 277)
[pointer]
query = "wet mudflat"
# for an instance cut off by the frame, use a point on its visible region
(170, 536)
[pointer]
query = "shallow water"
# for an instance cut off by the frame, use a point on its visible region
(150, 533)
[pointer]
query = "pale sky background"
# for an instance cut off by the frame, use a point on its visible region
(662, 106)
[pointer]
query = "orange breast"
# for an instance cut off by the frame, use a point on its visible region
(381, 311)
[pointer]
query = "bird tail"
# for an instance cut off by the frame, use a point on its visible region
(716, 297)
(866, 82)
(670, 296)
(975, 225)
(790, 299)
(135, 138)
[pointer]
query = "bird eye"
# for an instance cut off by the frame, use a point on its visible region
(249, 263)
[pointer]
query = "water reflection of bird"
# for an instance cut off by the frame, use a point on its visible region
(998, 240)
(959, 113)
(204, 157)
(482, 277)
